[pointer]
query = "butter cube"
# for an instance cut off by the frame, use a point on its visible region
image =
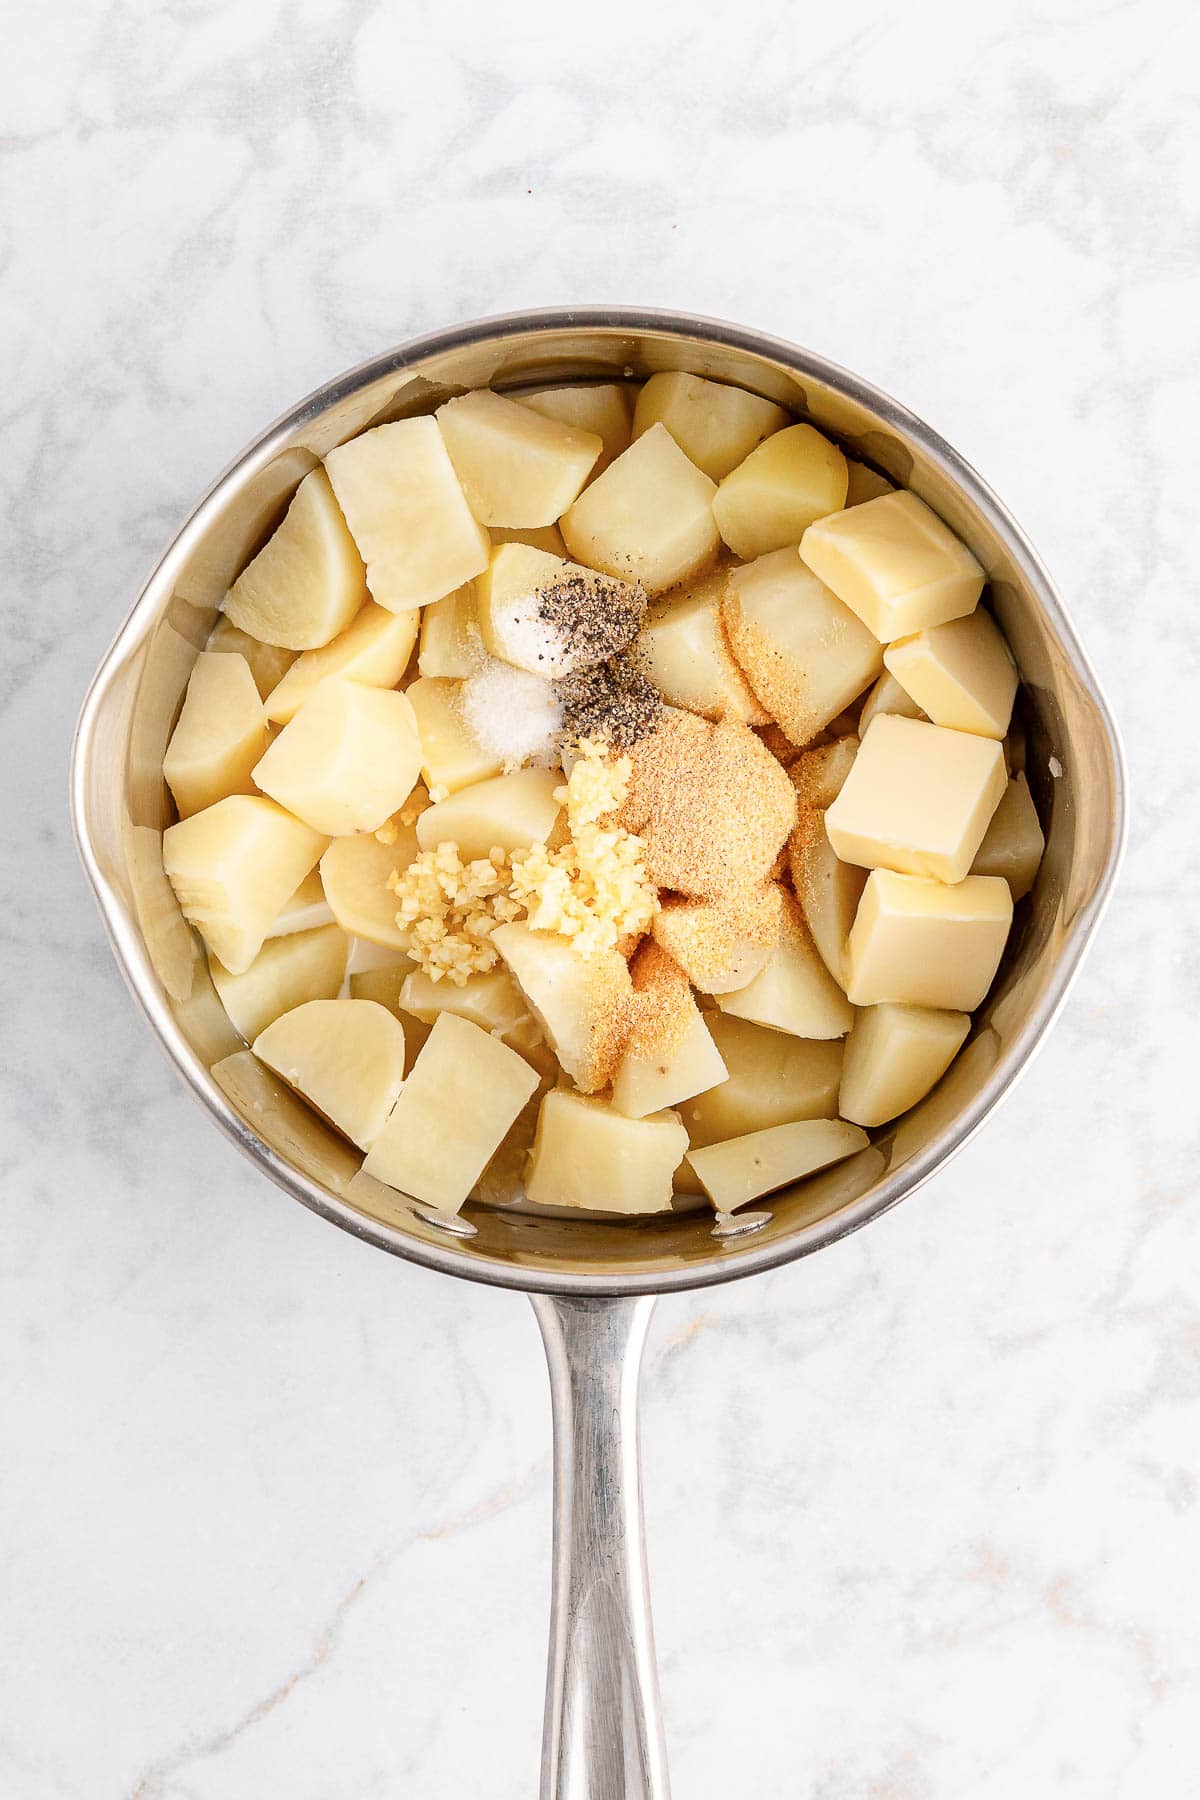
(961, 674)
(923, 943)
(1014, 843)
(742, 1168)
(451, 755)
(918, 799)
(587, 1154)
(894, 563)
(894, 1056)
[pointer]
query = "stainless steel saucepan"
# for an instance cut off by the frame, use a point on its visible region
(592, 1283)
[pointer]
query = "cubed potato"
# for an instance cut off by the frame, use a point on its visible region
(233, 868)
(795, 992)
(669, 1053)
(805, 655)
(774, 495)
(517, 467)
(721, 945)
(684, 650)
(383, 985)
(304, 910)
(887, 696)
(864, 483)
(465, 1090)
(512, 595)
(450, 641)
(374, 649)
(602, 407)
(715, 426)
(451, 756)
(493, 1001)
(354, 874)
(773, 1079)
(308, 581)
(347, 761)
(743, 1168)
(895, 564)
(220, 736)
(509, 812)
(582, 1003)
(588, 1155)
(924, 943)
(305, 965)
(819, 775)
(345, 1056)
(648, 518)
(269, 663)
(828, 891)
(894, 1055)
(918, 799)
(408, 513)
(1013, 843)
(539, 537)
(962, 674)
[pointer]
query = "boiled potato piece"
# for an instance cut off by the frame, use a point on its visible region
(383, 985)
(648, 518)
(715, 426)
(408, 513)
(1013, 843)
(819, 775)
(742, 1168)
(928, 943)
(511, 594)
(773, 1079)
(894, 1055)
(354, 873)
(669, 1053)
(509, 812)
(895, 564)
(795, 992)
(305, 965)
(805, 654)
(305, 910)
(961, 673)
(268, 662)
(582, 1004)
(233, 868)
(774, 495)
(517, 467)
(451, 756)
(308, 581)
(721, 945)
(602, 407)
(374, 649)
(220, 736)
(345, 1056)
(683, 648)
(828, 891)
(887, 696)
(539, 537)
(863, 483)
(493, 1001)
(465, 1090)
(450, 642)
(348, 759)
(588, 1155)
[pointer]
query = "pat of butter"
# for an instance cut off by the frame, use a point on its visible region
(893, 562)
(1014, 843)
(961, 674)
(894, 1055)
(918, 799)
(922, 943)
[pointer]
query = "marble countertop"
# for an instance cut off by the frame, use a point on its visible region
(923, 1512)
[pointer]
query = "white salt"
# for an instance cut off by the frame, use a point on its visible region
(513, 714)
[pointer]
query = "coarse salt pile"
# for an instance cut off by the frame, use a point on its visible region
(516, 716)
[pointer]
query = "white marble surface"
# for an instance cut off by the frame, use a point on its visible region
(273, 1507)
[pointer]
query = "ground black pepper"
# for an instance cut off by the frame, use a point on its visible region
(612, 701)
(591, 615)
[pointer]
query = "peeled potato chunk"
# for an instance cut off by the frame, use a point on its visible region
(742, 1168)
(450, 643)
(374, 649)
(382, 985)
(451, 755)
(354, 873)
(773, 1079)
(828, 891)
(582, 1004)
(805, 654)
(493, 1001)
(586, 1154)
(410, 518)
(602, 407)
(539, 537)
(305, 965)
(268, 662)
(775, 494)
(509, 812)
(863, 483)
(648, 518)
(464, 1092)
(345, 1056)
(819, 775)
(307, 582)
(347, 761)
(304, 910)
(795, 992)
(669, 1053)
(715, 426)
(220, 735)
(1013, 843)
(961, 673)
(513, 594)
(895, 564)
(926, 943)
(517, 467)
(894, 1055)
(233, 867)
(683, 649)
(887, 696)
(721, 945)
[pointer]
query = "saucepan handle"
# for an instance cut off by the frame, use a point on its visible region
(603, 1733)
